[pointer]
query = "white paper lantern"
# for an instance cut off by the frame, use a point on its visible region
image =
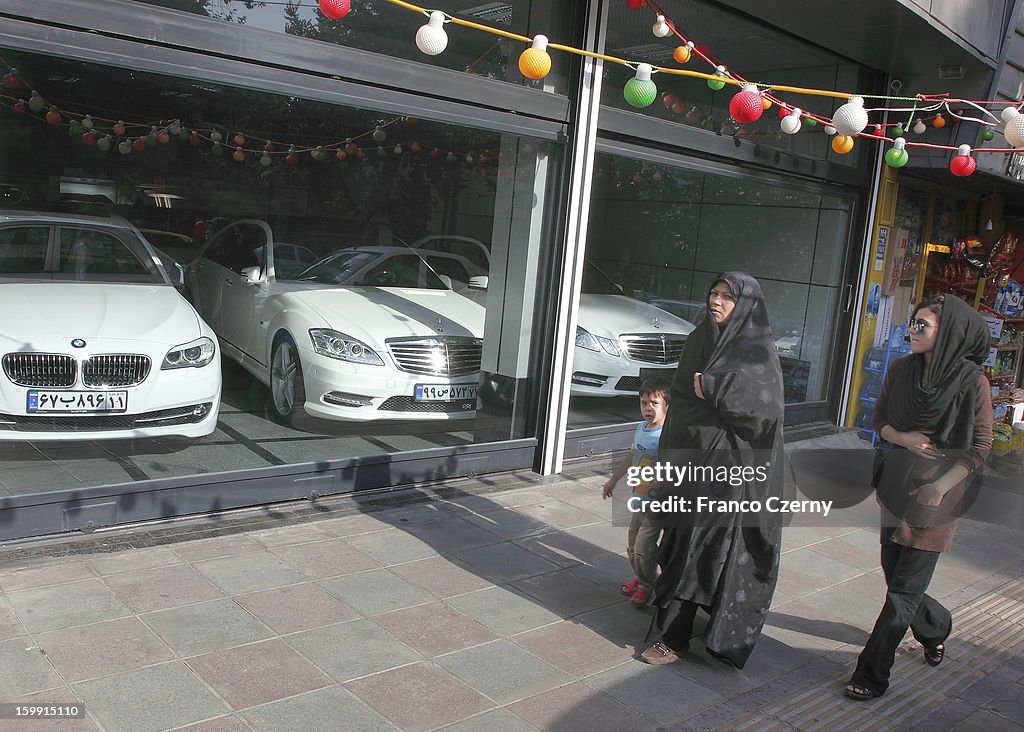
(830, 130)
(124, 147)
(431, 38)
(104, 143)
(36, 103)
(1009, 113)
(1014, 131)
(791, 124)
(660, 27)
(919, 128)
(851, 118)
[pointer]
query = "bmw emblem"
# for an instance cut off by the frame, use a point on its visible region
(78, 343)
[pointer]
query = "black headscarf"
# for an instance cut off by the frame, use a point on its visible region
(738, 363)
(931, 397)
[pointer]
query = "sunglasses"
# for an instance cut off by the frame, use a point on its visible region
(919, 325)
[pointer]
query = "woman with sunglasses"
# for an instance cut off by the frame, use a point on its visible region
(726, 415)
(935, 414)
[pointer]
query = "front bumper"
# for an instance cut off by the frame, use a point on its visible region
(604, 375)
(334, 389)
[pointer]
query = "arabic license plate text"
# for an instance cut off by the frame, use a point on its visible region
(445, 392)
(76, 401)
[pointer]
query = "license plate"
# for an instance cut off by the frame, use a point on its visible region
(663, 373)
(445, 392)
(77, 401)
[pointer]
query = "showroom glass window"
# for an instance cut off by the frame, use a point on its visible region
(387, 29)
(659, 234)
(392, 251)
(746, 46)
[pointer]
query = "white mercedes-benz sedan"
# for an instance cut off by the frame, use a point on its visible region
(96, 342)
(365, 333)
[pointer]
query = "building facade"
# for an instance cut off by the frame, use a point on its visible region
(417, 267)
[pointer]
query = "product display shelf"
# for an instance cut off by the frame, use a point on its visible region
(876, 364)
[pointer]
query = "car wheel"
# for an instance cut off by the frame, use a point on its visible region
(287, 390)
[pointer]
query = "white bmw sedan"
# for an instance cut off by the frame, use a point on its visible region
(96, 342)
(365, 333)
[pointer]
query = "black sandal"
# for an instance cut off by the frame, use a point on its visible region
(934, 656)
(859, 693)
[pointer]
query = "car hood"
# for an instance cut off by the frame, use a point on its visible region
(43, 310)
(376, 313)
(612, 315)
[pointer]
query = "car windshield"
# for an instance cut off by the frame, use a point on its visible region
(372, 269)
(79, 254)
(596, 282)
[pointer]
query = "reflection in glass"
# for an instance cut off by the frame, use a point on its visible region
(368, 296)
(662, 234)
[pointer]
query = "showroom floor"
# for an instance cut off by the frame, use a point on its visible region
(245, 438)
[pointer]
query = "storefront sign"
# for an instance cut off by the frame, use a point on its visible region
(883, 237)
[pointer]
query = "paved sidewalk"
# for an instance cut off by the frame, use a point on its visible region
(486, 605)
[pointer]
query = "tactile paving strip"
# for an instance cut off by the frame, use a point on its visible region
(987, 632)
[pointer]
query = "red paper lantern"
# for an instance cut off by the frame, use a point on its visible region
(635, 4)
(19, 106)
(963, 164)
(878, 131)
(11, 80)
(783, 112)
(89, 138)
(745, 107)
(335, 9)
(139, 145)
(292, 159)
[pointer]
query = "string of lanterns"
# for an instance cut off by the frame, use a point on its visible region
(848, 122)
(136, 137)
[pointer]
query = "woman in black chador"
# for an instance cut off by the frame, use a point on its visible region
(726, 414)
(935, 415)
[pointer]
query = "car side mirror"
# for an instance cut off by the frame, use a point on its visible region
(446, 280)
(251, 275)
(479, 282)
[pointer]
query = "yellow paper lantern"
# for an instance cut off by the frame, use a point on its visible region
(534, 62)
(842, 144)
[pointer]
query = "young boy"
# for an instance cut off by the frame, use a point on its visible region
(642, 538)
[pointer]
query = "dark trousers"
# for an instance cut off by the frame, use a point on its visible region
(677, 620)
(908, 572)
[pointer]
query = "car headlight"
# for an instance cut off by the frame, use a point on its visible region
(585, 340)
(592, 342)
(333, 344)
(190, 355)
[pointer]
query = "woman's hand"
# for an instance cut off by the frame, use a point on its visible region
(919, 443)
(696, 386)
(929, 494)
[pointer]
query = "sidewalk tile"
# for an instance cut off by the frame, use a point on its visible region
(559, 515)
(566, 593)
(350, 650)
(419, 697)
(248, 572)
(503, 610)
(258, 673)
(602, 536)
(509, 523)
(147, 590)
(149, 699)
(296, 607)
(452, 535)
(986, 721)
(227, 723)
(506, 562)
(578, 708)
(10, 626)
(134, 559)
(103, 648)
(442, 576)
(65, 606)
(324, 559)
(803, 625)
(1010, 704)
(621, 623)
(825, 570)
(318, 710)
(353, 525)
(376, 591)
(434, 629)
(61, 696)
(24, 669)
(290, 535)
(44, 575)
(503, 671)
(392, 546)
(573, 648)
(221, 546)
(205, 627)
(496, 720)
(654, 692)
